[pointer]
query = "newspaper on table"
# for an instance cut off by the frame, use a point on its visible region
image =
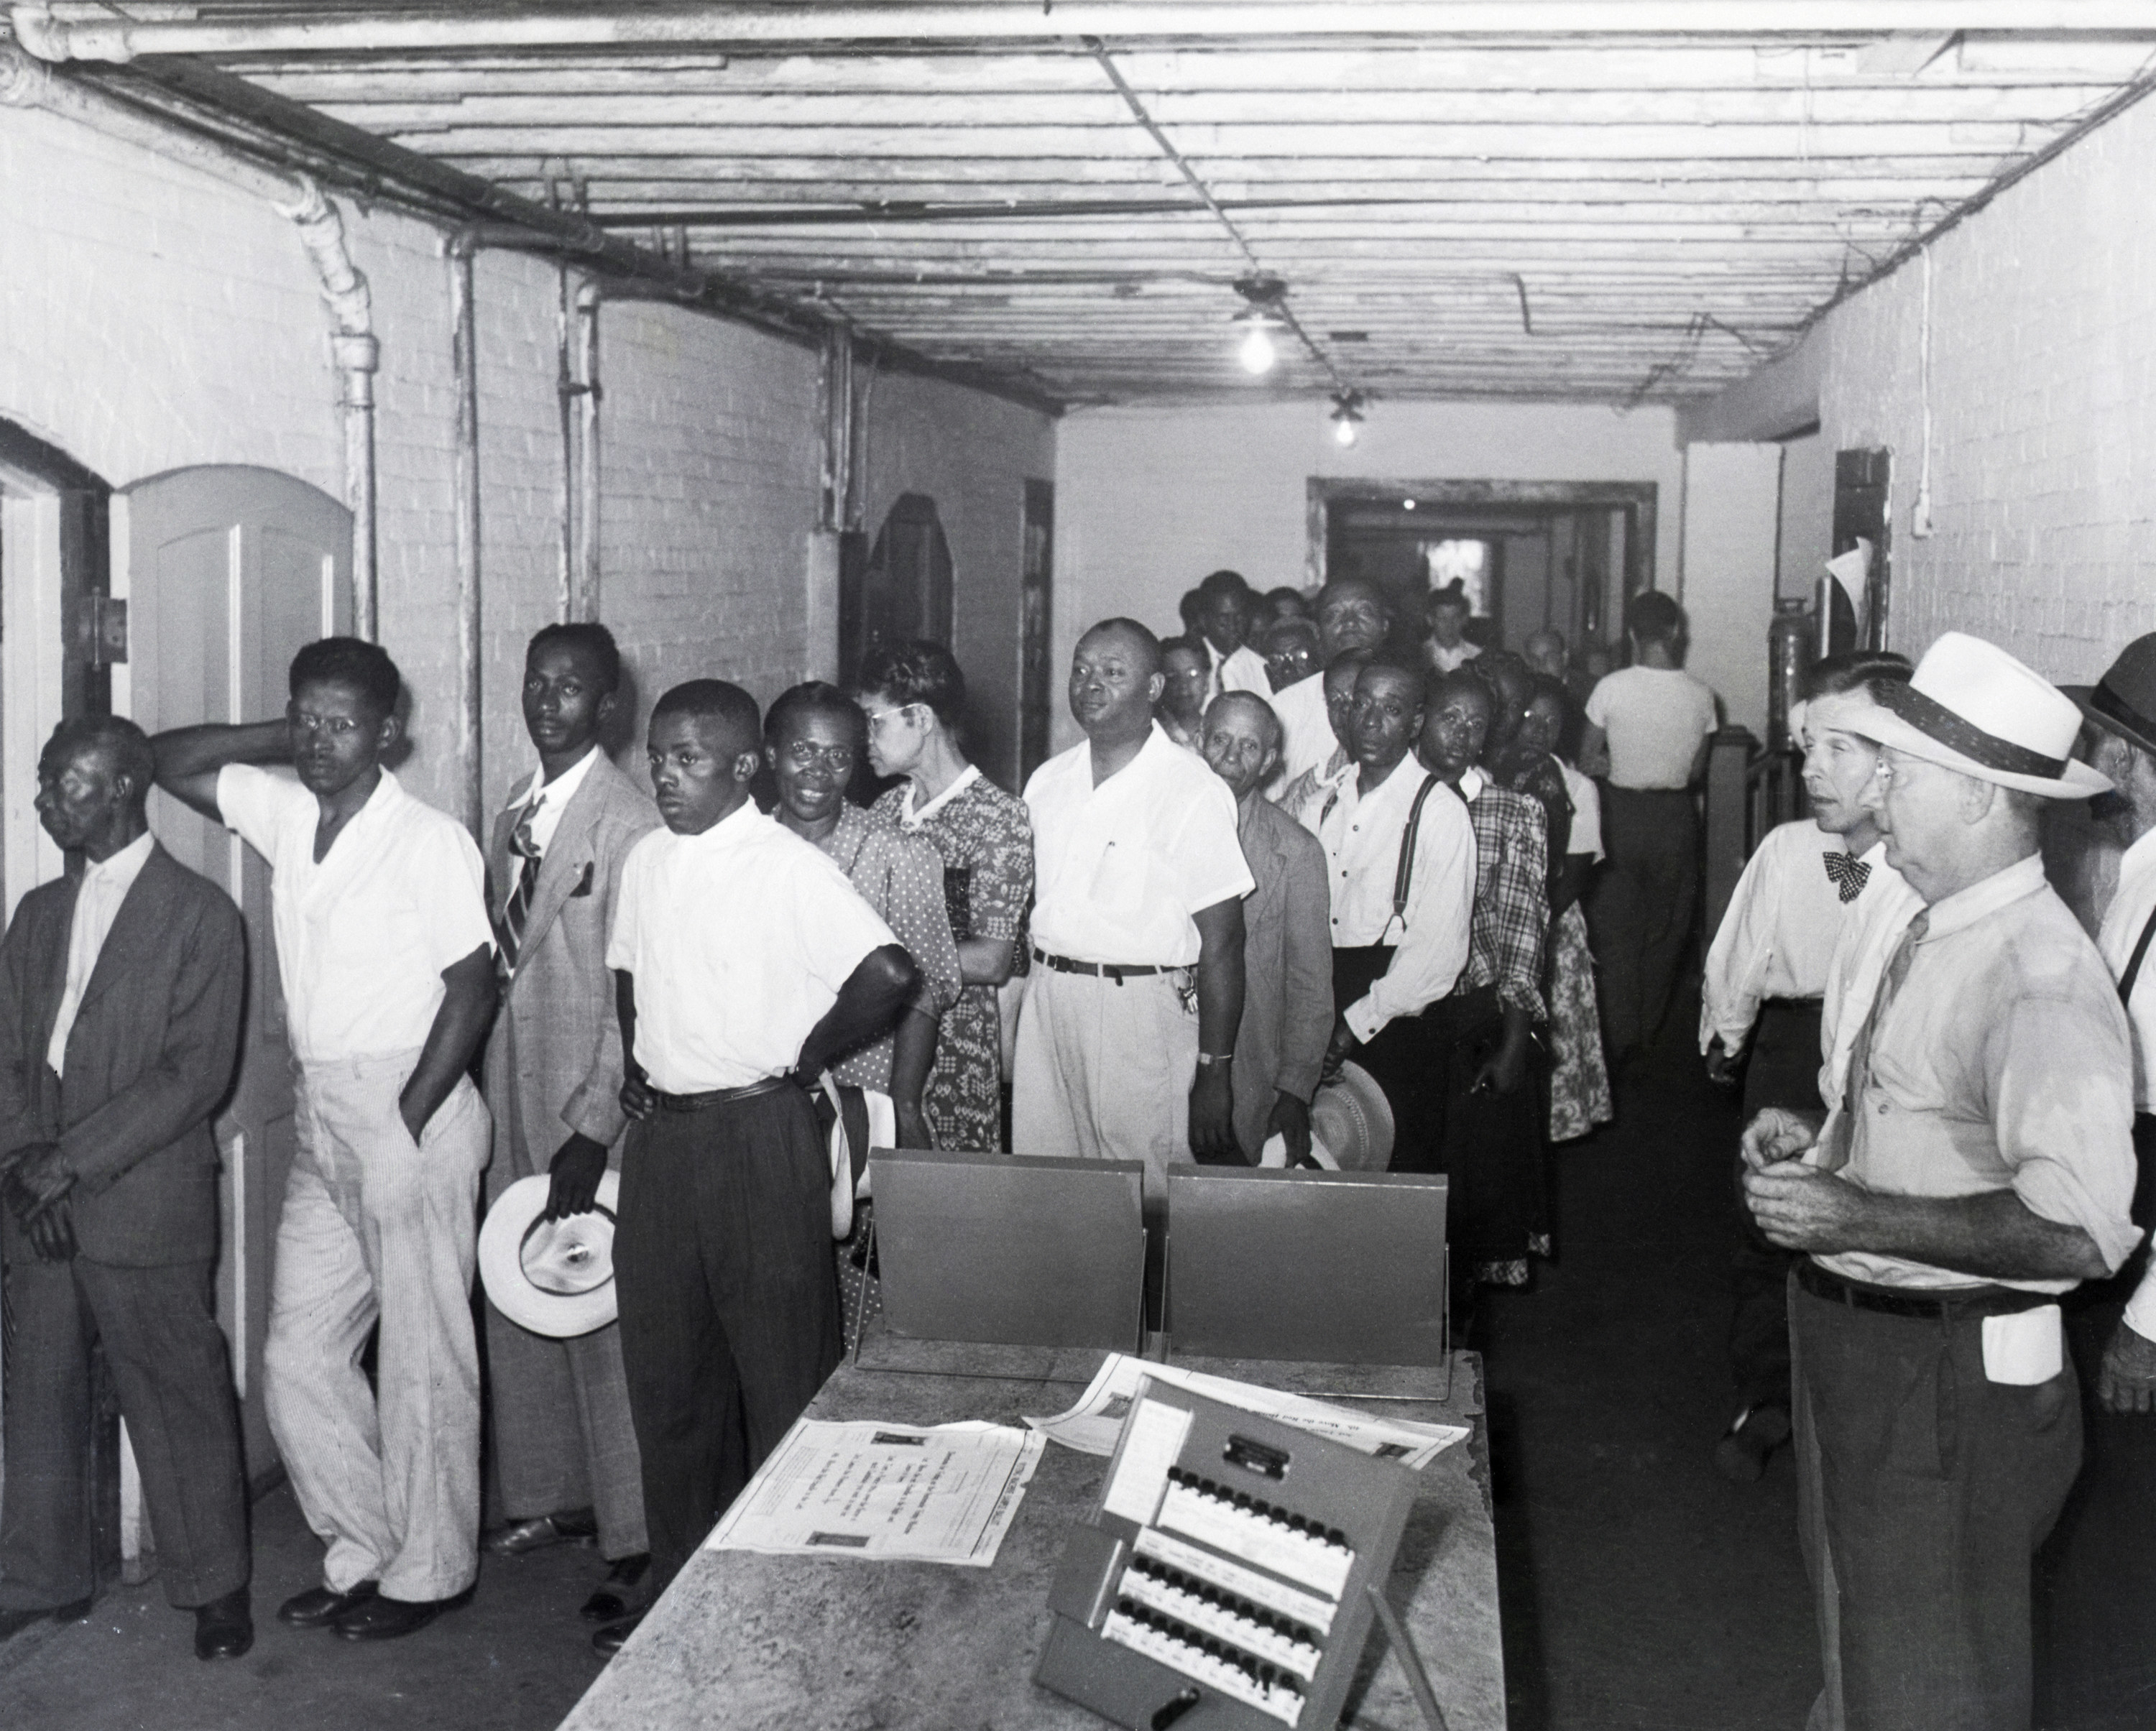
(939, 1493)
(1092, 1426)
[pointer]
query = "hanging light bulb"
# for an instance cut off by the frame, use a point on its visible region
(1257, 353)
(1262, 314)
(1347, 416)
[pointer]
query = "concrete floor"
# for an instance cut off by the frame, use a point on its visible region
(1640, 1588)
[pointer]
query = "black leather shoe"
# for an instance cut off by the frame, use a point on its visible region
(319, 1605)
(14, 1622)
(611, 1603)
(609, 1640)
(224, 1628)
(576, 1526)
(383, 1618)
(1741, 1454)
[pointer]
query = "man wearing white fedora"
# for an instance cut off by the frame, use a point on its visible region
(1977, 1164)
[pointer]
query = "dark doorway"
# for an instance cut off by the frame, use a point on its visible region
(84, 500)
(1531, 553)
(1861, 480)
(903, 589)
(1036, 622)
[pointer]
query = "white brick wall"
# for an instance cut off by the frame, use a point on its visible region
(152, 317)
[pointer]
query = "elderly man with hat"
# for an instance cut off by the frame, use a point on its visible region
(1977, 1163)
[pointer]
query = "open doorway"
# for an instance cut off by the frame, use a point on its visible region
(1529, 554)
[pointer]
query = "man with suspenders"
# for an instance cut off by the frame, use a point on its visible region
(1400, 866)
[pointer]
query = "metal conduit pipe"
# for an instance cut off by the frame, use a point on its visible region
(584, 572)
(53, 36)
(464, 359)
(26, 83)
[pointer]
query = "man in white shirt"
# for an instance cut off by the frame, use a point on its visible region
(1127, 1036)
(120, 994)
(387, 957)
(1977, 1164)
(1307, 795)
(1225, 607)
(564, 1448)
(1354, 617)
(1646, 734)
(746, 966)
(1444, 646)
(1767, 969)
(1399, 854)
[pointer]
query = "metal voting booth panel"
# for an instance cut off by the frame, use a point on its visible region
(1020, 1252)
(1337, 1268)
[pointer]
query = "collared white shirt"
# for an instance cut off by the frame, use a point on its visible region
(1449, 661)
(553, 797)
(2127, 916)
(1243, 671)
(1654, 718)
(97, 898)
(2001, 1064)
(739, 939)
(1778, 938)
(1586, 811)
(1881, 914)
(1120, 869)
(913, 816)
(363, 937)
(1361, 836)
(1307, 726)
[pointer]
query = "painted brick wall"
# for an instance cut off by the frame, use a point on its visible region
(972, 455)
(153, 317)
(2043, 397)
(1149, 500)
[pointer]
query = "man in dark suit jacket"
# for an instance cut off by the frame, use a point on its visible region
(120, 989)
(1287, 937)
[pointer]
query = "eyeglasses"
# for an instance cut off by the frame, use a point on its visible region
(803, 754)
(877, 716)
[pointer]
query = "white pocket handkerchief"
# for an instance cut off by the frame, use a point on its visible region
(2025, 1349)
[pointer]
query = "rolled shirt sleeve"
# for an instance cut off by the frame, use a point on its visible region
(1432, 951)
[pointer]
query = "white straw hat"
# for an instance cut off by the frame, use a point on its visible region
(553, 1276)
(1351, 1126)
(1974, 709)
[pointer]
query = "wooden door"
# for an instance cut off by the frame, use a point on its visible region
(1862, 482)
(903, 592)
(228, 570)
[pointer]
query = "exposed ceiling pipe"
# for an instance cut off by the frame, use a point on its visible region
(25, 83)
(59, 32)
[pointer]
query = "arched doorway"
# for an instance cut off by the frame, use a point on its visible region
(902, 590)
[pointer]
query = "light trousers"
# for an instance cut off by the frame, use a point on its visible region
(376, 1228)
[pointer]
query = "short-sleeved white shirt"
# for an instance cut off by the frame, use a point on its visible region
(739, 941)
(1655, 718)
(1120, 869)
(362, 938)
(1586, 812)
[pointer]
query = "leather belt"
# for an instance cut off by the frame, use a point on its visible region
(1961, 1304)
(719, 1096)
(1115, 971)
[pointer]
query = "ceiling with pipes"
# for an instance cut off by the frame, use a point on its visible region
(1083, 198)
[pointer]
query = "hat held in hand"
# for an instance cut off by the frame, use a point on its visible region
(553, 1276)
(1351, 1126)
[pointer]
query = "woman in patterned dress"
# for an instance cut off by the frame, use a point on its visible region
(915, 696)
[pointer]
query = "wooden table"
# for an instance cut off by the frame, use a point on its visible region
(745, 1641)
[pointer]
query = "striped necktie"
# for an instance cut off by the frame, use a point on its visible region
(1840, 1142)
(508, 929)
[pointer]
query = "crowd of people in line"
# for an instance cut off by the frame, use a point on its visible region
(1304, 835)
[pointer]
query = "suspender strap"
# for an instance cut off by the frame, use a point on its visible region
(2133, 966)
(1404, 874)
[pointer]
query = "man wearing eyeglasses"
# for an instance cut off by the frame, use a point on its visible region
(387, 958)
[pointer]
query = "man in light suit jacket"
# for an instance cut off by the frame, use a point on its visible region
(1287, 936)
(564, 1448)
(120, 989)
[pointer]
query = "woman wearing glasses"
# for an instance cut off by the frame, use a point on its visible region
(915, 696)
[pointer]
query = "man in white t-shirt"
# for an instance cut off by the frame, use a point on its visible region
(387, 957)
(1647, 729)
(1354, 617)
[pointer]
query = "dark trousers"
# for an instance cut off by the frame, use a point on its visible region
(728, 1300)
(1640, 909)
(1924, 1490)
(1782, 1069)
(158, 1327)
(1406, 1060)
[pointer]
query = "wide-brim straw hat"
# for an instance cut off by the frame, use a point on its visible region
(1351, 1126)
(1974, 709)
(2123, 701)
(553, 1276)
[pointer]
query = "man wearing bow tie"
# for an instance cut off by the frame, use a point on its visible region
(564, 1448)
(1759, 1010)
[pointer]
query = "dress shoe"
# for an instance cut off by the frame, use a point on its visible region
(610, 1604)
(608, 1640)
(14, 1622)
(224, 1628)
(1758, 1431)
(383, 1618)
(576, 1526)
(319, 1605)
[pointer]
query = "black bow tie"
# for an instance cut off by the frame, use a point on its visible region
(1848, 872)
